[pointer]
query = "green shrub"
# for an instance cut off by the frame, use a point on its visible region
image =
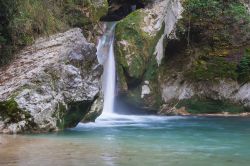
(244, 67)
(203, 8)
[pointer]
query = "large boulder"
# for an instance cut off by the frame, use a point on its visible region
(50, 85)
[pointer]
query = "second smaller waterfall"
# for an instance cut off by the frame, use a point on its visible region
(105, 54)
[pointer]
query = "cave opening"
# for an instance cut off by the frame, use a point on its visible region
(174, 48)
(119, 9)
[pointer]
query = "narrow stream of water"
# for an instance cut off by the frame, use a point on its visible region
(105, 54)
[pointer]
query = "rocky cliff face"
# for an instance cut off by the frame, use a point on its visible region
(190, 53)
(204, 97)
(206, 67)
(140, 49)
(50, 85)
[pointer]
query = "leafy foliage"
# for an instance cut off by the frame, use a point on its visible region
(24, 20)
(218, 23)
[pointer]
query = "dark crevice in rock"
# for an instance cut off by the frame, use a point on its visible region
(119, 9)
(74, 114)
(131, 81)
(174, 48)
(95, 110)
(176, 58)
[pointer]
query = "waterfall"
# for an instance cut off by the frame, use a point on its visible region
(105, 55)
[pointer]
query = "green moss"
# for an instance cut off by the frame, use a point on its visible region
(129, 31)
(140, 45)
(152, 70)
(207, 106)
(215, 32)
(71, 115)
(122, 82)
(212, 68)
(59, 114)
(9, 110)
(136, 61)
(154, 99)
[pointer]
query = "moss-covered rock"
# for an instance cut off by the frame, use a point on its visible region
(9, 111)
(70, 115)
(139, 46)
(15, 120)
(134, 51)
(134, 47)
(212, 68)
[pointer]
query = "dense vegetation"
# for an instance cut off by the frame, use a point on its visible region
(217, 33)
(24, 20)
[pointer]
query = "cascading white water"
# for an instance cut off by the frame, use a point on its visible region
(105, 55)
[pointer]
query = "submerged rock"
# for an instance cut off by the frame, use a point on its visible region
(50, 85)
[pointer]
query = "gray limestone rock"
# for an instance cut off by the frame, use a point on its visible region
(45, 79)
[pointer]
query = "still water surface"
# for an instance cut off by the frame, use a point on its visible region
(136, 141)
